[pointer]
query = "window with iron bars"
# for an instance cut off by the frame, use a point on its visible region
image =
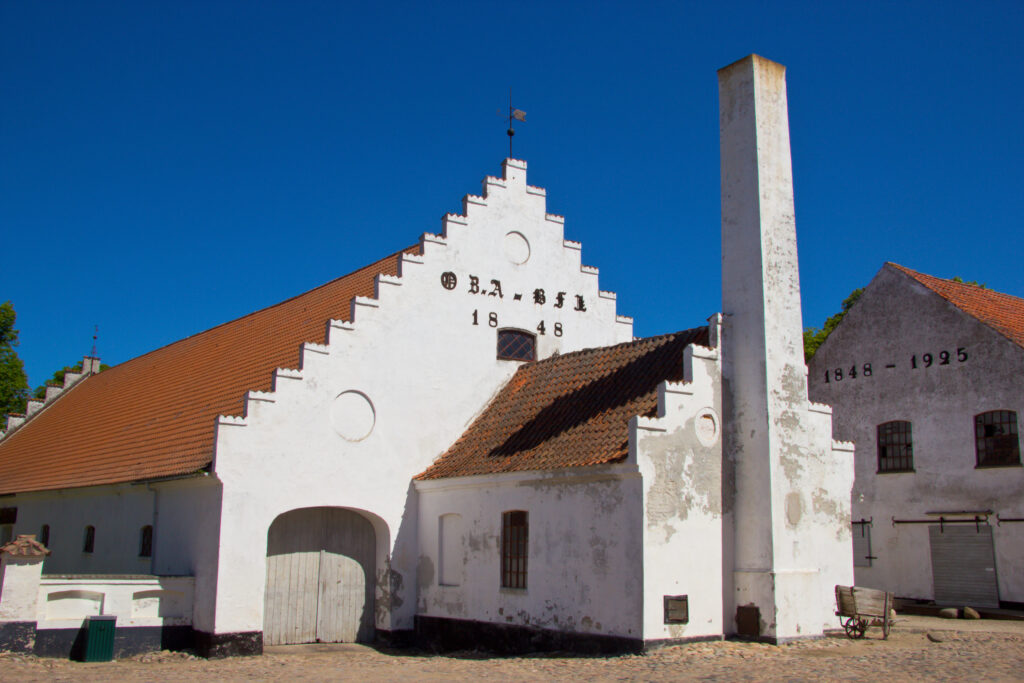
(515, 532)
(516, 345)
(995, 439)
(895, 447)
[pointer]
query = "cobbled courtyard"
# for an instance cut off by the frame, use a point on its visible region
(917, 653)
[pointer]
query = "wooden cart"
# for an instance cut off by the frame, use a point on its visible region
(858, 608)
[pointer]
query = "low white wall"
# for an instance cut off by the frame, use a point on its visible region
(584, 568)
(65, 600)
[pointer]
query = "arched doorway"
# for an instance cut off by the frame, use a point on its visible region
(320, 575)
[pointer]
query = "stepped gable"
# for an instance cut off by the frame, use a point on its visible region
(156, 415)
(1002, 312)
(568, 411)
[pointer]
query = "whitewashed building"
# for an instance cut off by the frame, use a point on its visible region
(924, 375)
(461, 441)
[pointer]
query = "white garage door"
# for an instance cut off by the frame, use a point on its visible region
(964, 565)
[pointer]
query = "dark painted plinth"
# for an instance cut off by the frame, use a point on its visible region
(669, 642)
(18, 636)
(395, 639)
(70, 642)
(443, 635)
(218, 645)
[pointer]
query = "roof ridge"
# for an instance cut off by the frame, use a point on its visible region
(595, 349)
(1002, 312)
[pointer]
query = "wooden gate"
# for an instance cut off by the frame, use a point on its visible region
(320, 574)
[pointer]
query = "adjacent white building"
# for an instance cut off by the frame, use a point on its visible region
(462, 442)
(924, 375)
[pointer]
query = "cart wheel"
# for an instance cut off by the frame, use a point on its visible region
(855, 627)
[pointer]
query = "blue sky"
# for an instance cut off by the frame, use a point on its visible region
(168, 166)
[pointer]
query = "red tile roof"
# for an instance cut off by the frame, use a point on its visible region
(568, 411)
(1002, 312)
(155, 415)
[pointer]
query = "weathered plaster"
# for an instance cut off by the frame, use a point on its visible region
(896, 319)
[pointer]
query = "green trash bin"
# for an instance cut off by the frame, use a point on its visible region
(99, 638)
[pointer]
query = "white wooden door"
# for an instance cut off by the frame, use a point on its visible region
(345, 606)
(320, 569)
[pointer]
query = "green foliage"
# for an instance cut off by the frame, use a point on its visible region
(13, 382)
(58, 378)
(969, 282)
(813, 337)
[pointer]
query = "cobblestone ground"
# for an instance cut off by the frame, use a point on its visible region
(960, 656)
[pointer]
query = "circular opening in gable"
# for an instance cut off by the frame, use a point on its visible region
(706, 426)
(517, 248)
(352, 415)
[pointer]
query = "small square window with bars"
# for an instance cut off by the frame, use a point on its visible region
(996, 441)
(515, 532)
(895, 447)
(516, 345)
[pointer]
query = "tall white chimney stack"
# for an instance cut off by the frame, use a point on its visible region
(777, 450)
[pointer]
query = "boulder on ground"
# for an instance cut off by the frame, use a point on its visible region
(971, 613)
(948, 613)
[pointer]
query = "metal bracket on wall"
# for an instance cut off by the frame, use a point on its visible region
(977, 521)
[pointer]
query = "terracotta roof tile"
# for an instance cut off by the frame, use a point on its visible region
(1002, 312)
(155, 415)
(568, 411)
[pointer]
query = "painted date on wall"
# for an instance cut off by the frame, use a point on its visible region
(917, 361)
(492, 321)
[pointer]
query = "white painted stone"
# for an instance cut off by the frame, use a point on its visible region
(584, 570)
(19, 587)
(790, 487)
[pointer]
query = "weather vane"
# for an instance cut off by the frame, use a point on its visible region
(95, 334)
(513, 115)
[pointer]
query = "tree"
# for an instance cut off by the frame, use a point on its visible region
(813, 338)
(969, 282)
(13, 381)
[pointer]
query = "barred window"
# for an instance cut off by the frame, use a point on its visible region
(516, 345)
(996, 442)
(515, 531)
(89, 542)
(895, 447)
(146, 541)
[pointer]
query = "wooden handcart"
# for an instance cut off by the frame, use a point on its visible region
(858, 608)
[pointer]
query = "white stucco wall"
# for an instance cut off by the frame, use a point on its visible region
(425, 371)
(679, 456)
(585, 559)
(19, 582)
(895, 320)
(183, 514)
(173, 508)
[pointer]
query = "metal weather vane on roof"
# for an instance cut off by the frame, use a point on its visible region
(513, 115)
